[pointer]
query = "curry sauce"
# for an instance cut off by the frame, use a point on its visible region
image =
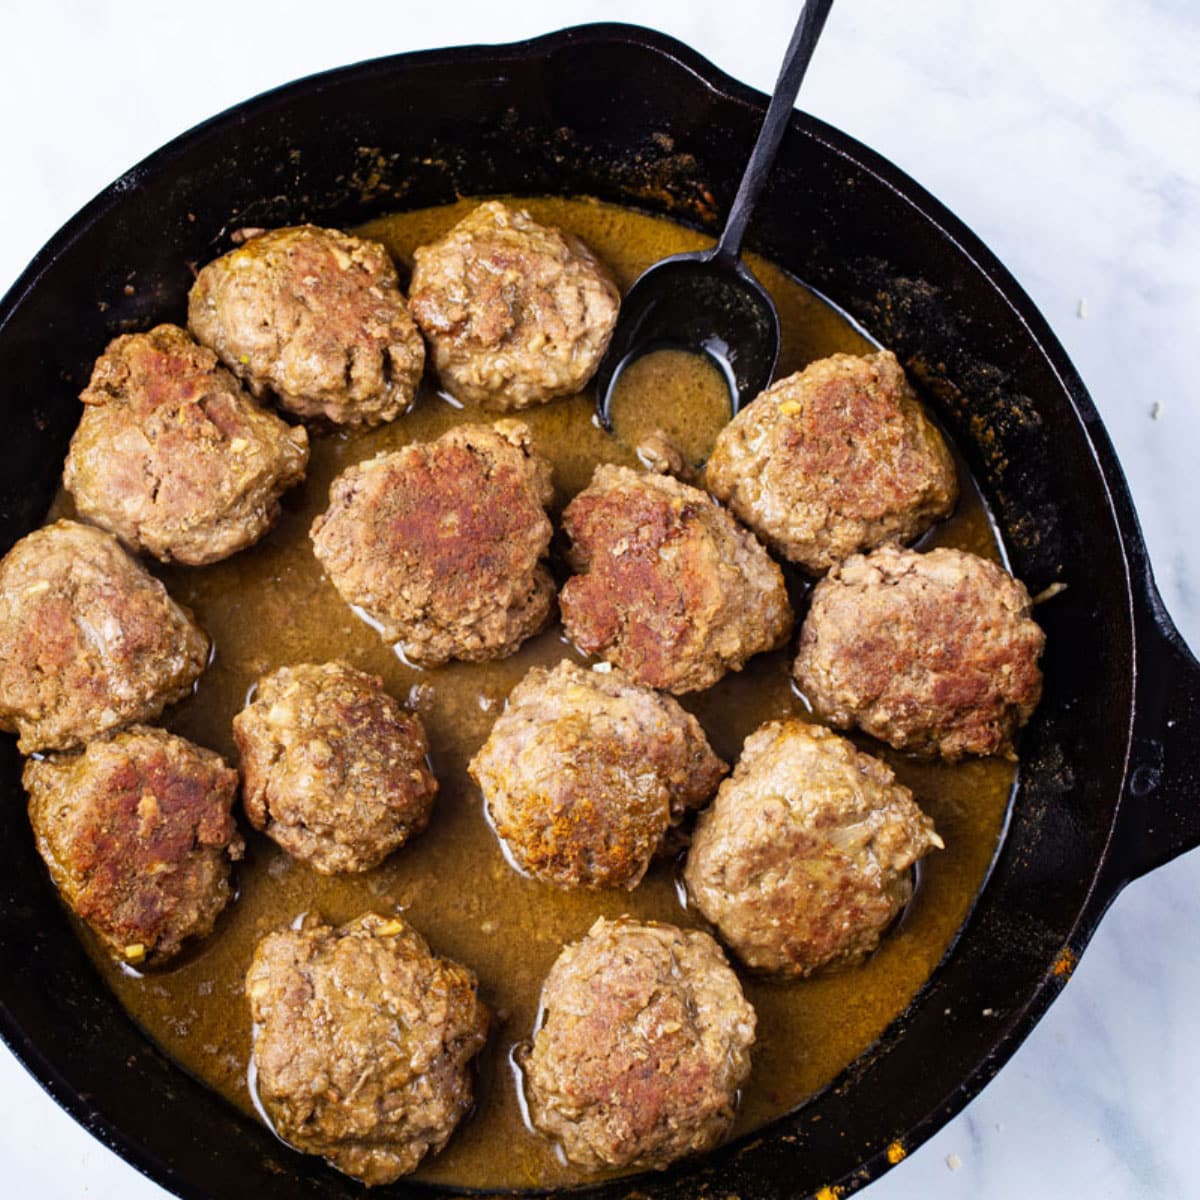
(271, 605)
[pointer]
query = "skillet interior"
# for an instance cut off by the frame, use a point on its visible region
(671, 137)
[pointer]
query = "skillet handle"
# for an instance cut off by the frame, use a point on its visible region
(1160, 811)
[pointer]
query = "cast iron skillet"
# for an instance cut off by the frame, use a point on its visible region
(1109, 764)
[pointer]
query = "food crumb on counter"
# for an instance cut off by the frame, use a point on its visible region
(1082, 311)
(1156, 410)
(953, 1162)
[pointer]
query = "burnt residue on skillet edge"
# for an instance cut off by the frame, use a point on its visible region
(544, 116)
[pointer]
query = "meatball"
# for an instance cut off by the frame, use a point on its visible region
(645, 1042)
(805, 856)
(362, 1043)
(516, 312)
(89, 641)
(440, 543)
(138, 835)
(173, 457)
(835, 459)
(670, 587)
(935, 653)
(316, 317)
(333, 768)
(584, 774)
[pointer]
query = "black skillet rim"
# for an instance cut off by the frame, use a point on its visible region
(1106, 881)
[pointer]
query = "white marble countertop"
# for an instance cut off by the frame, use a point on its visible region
(1067, 134)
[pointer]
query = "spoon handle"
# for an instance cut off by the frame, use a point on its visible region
(795, 63)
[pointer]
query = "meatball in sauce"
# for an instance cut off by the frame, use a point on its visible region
(516, 312)
(441, 544)
(668, 586)
(585, 773)
(315, 318)
(333, 768)
(363, 1043)
(173, 456)
(644, 1044)
(138, 835)
(89, 640)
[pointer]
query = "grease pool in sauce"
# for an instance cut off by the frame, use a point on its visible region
(271, 605)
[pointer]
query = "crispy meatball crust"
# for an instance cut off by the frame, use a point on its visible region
(933, 653)
(516, 312)
(645, 1042)
(89, 640)
(173, 457)
(584, 773)
(835, 459)
(333, 768)
(805, 856)
(668, 587)
(316, 317)
(441, 543)
(138, 835)
(362, 1043)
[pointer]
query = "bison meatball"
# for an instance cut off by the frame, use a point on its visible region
(584, 773)
(138, 837)
(362, 1043)
(316, 317)
(645, 1041)
(935, 653)
(516, 312)
(440, 543)
(805, 856)
(670, 587)
(89, 641)
(333, 768)
(835, 459)
(173, 457)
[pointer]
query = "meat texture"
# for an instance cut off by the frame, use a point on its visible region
(363, 1040)
(585, 772)
(138, 835)
(806, 855)
(934, 653)
(315, 317)
(440, 543)
(835, 459)
(333, 768)
(516, 313)
(645, 1042)
(89, 641)
(669, 587)
(173, 457)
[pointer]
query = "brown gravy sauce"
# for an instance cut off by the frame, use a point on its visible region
(270, 605)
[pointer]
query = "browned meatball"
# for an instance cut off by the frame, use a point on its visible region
(89, 641)
(333, 768)
(316, 317)
(805, 856)
(173, 457)
(670, 587)
(835, 459)
(362, 1043)
(138, 836)
(440, 544)
(935, 653)
(516, 312)
(584, 773)
(645, 1042)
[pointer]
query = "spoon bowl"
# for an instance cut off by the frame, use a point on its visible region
(709, 302)
(703, 302)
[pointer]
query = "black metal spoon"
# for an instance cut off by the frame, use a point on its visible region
(709, 301)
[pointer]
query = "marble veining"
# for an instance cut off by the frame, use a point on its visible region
(1067, 134)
